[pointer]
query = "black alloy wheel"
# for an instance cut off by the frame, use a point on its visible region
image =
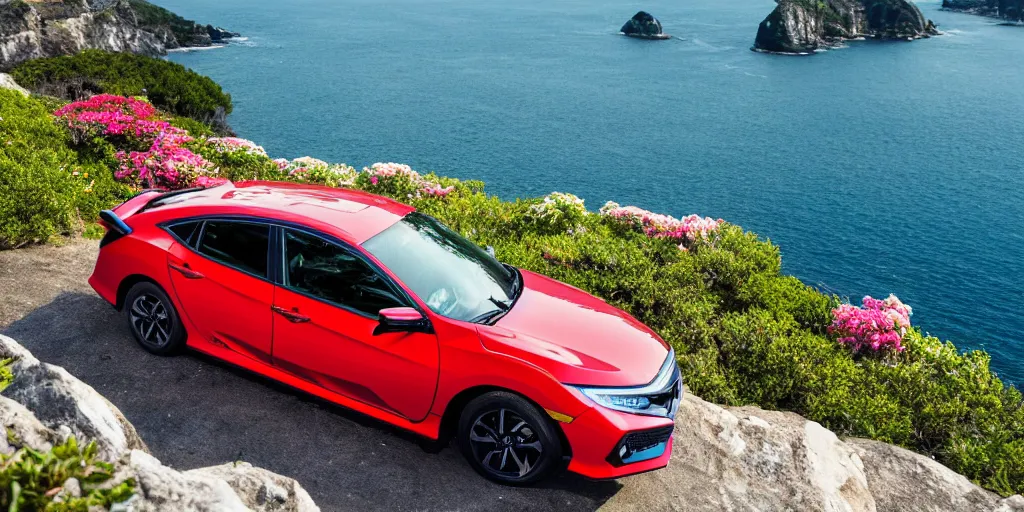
(509, 440)
(153, 320)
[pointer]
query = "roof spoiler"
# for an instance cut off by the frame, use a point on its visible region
(115, 223)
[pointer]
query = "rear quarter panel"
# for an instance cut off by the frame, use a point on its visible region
(143, 253)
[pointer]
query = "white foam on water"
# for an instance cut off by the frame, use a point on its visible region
(195, 48)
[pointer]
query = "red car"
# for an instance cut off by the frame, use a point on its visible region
(364, 302)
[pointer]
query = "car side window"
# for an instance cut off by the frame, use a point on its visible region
(330, 272)
(186, 232)
(241, 245)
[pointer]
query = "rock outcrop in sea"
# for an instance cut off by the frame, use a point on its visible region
(804, 26)
(644, 26)
(45, 404)
(31, 30)
(1010, 10)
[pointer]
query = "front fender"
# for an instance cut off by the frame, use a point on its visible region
(468, 364)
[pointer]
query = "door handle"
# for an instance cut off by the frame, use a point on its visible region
(185, 271)
(292, 316)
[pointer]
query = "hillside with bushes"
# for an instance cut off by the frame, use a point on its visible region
(744, 332)
(169, 86)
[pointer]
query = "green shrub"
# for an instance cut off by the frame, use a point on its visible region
(154, 17)
(28, 479)
(169, 86)
(46, 186)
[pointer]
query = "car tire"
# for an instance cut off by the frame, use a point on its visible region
(154, 322)
(508, 440)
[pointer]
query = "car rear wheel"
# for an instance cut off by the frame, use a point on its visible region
(153, 320)
(508, 440)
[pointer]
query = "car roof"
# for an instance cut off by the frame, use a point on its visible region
(353, 215)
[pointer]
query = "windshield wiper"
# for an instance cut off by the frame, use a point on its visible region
(489, 317)
(502, 305)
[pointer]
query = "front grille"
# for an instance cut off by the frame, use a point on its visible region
(640, 441)
(640, 446)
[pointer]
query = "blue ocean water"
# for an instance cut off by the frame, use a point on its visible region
(878, 168)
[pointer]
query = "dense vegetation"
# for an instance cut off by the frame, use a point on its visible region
(154, 17)
(169, 86)
(47, 185)
(744, 332)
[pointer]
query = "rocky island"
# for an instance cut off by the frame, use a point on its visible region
(804, 26)
(1009, 10)
(35, 29)
(644, 26)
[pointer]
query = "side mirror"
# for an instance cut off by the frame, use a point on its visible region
(401, 320)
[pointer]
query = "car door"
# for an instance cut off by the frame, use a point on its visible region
(327, 305)
(219, 269)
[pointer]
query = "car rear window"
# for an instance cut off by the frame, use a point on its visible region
(186, 232)
(241, 245)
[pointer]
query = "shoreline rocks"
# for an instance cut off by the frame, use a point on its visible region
(644, 26)
(1010, 10)
(32, 30)
(802, 27)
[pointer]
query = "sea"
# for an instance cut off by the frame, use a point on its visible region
(877, 168)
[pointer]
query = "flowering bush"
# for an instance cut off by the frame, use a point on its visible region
(559, 211)
(655, 225)
(155, 153)
(235, 144)
(399, 180)
(878, 325)
(166, 164)
(317, 171)
(110, 115)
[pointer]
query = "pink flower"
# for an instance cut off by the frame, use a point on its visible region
(374, 180)
(877, 325)
(686, 230)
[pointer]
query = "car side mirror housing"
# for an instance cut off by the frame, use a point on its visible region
(402, 320)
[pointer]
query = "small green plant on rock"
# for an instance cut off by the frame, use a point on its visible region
(67, 478)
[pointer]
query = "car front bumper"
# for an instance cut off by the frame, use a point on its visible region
(611, 444)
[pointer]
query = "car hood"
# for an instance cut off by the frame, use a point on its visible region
(575, 336)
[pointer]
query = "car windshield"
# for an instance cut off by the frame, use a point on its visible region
(453, 276)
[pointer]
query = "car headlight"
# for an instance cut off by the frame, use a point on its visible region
(659, 398)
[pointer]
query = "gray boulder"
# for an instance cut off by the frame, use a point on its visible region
(44, 405)
(68, 405)
(159, 487)
(23, 429)
(891, 469)
(7, 82)
(749, 459)
(259, 489)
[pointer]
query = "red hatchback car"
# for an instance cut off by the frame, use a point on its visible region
(364, 302)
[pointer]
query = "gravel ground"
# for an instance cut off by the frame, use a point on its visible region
(193, 411)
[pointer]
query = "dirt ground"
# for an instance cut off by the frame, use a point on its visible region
(34, 276)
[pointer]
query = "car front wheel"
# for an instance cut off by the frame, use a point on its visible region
(508, 440)
(153, 320)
